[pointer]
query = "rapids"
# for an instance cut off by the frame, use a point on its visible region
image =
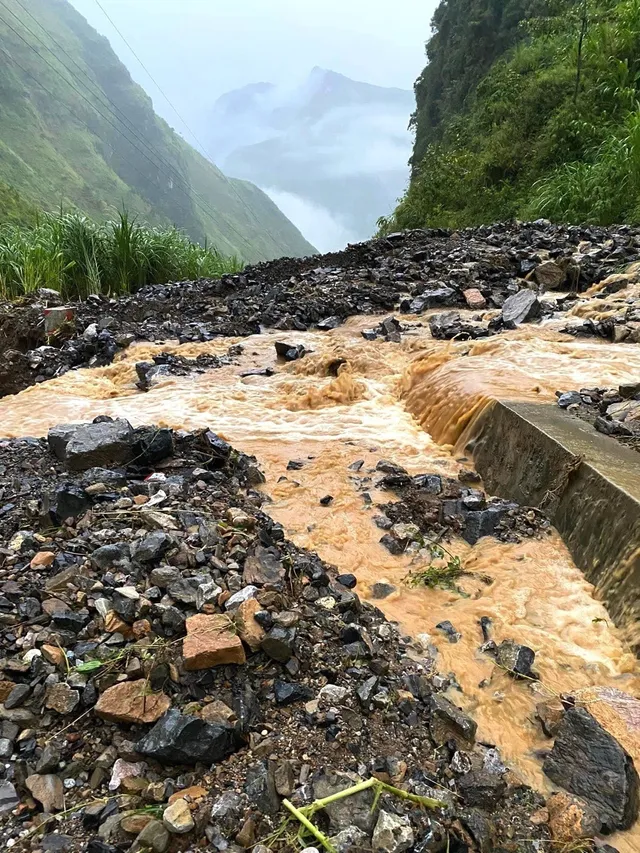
(350, 399)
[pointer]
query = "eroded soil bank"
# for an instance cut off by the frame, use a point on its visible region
(354, 426)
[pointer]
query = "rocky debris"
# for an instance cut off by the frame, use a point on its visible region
(389, 329)
(392, 834)
(415, 271)
(177, 817)
(474, 299)
(450, 325)
(180, 739)
(589, 762)
(168, 364)
(612, 411)
(570, 818)
(48, 790)
(327, 690)
(431, 508)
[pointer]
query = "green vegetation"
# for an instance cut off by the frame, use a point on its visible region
(77, 257)
(440, 576)
(527, 109)
(77, 133)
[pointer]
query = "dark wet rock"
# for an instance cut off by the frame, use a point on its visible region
(290, 352)
(589, 762)
(9, 798)
(447, 720)
(55, 842)
(521, 307)
(381, 589)
(112, 556)
(350, 811)
(287, 693)
(449, 631)
(279, 643)
(482, 788)
(71, 501)
(89, 445)
(515, 658)
(569, 398)
(431, 299)
(18, 696)
(450, 325)
(367, 691)
(349, 581)
(260, 788)
(611, 427)
(393, 545)
(264, 566)
(152, 547)
(180, 739)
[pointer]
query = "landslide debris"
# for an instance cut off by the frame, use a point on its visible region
(611, 411)
(494, 270)
(171, 666)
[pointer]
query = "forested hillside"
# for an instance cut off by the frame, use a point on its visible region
(527, 108)
(77, 132)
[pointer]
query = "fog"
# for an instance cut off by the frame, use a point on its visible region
(198, 50)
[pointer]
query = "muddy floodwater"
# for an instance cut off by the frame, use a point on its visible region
(351, 399)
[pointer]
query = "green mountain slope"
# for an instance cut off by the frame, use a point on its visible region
(527, 108)
(76, 131)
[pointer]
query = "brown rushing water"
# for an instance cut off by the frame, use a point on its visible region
(408, 402)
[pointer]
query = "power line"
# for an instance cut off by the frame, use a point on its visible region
(117, 113)
(149, 74)
(193, 198)
(51, 95)
(183, 120)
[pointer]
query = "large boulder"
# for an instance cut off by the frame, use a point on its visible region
(549, 275)
(520, 308)
(590, 763)
(84, 446)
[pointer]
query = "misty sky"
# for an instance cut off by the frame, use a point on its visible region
(199, 49)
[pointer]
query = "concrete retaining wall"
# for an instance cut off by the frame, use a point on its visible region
(588, 484)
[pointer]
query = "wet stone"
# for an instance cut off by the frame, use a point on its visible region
(354, 810)
(279, 643)
(48, 790)
(260, 788)
(587, 761)
(181, 739)
(521, 307)
(154, 836)
(9, 798)
(17, 696)
(210, 641)
(287, 693)
(515, 658)
(381, 589)
(392, 834)
(447, 720)
(62, 698)
(449, 631)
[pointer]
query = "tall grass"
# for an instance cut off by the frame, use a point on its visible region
(77, 257)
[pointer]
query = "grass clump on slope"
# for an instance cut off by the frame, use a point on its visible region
(72, 254)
